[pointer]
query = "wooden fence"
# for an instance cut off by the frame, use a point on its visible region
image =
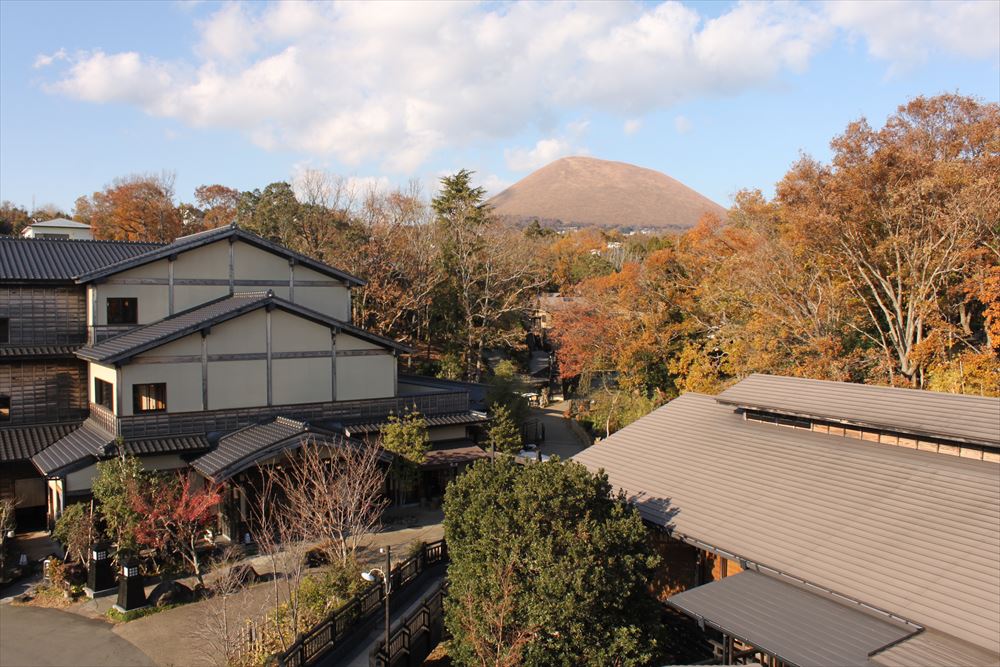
(331, 632)
(416, 636)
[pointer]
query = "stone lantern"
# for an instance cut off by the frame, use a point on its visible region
(100, 573)
(131, 590)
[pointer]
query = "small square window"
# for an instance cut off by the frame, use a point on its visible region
(4, 408)
(103, 393)
(149, 397)
(123, 311)
(4, 330)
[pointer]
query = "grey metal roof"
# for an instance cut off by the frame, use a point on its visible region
(60, 222)
(76, 449)
(934, 649)
(122, 347)
(241, 449)
(915, 533)
(801, 627)
(61, 260)
(451, 419)
(20, 443)
(974, 419)
(15, 352)
(192, 241)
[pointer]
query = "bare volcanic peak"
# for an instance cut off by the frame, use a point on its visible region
(584, 191)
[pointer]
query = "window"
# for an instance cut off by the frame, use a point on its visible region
(4, 329)
(4, 408)
(149, 397)
(103, 393)
(123, 311)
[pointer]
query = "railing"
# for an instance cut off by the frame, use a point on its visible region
(329, 633)
(95, 334)
(416, 636)
(208, 421)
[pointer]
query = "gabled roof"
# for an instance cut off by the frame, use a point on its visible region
(972, 419)
(20, 443)
(90, 443)
(192, 241)
(121, 348)
(911, 532)
(61, 260)
(17, 352)
(450, 419)
(244, 448)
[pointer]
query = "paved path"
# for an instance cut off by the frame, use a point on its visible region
(559, 437)
(36, 637)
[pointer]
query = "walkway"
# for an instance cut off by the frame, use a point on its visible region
(560, 439)
(36, 637)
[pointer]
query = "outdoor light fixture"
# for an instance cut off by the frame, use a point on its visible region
(384, 575)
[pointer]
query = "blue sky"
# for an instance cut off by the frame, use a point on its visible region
(721, 96)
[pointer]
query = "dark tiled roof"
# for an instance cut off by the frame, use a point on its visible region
(76, 449)
(870, 521)
(137, 341)
(974, 419)
(799, 626)
(14, 352)
(243, 448)
(20, 443)
(167, 445)
(158, 333)
(193, 241)
(61, 259)
(453, 419)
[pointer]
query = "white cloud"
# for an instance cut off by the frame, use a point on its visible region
(493, 184)
(908, 33)
(543, 152)
(682, 124)
(632, 125)
(46, 59)
(395, 82)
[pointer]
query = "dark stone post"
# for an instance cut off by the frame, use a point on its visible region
(131, 592)
(100, 572)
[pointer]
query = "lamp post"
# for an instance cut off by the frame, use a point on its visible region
(386, 587)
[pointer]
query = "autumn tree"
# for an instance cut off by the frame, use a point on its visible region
(217, 204)
(173, 516)
(13, 218)
(139, 207)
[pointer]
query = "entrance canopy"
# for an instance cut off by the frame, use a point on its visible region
(803, 628)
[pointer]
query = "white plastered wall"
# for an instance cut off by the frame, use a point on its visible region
(306, 380)
(82, 480)
(439, 433)
(105, 373)
(365, 376)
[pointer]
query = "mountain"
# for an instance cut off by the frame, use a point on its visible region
(583, 191)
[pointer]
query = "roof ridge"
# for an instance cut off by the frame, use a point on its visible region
(42, 239)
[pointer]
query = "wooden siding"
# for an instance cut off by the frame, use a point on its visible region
(44, 315)
(44, 391)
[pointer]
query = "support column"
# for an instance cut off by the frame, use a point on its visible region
(232, 265)
(170, 284)
(291, 280)
(204, 368)
(269, 385)
(119, 391)
(333, 364)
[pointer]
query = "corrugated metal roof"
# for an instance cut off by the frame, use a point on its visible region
(974, 419)
(61, 259)
(124, 346)
(192, 241)
(14, 352)
(911, 532)
(77, 448)
(20, 443)
(934, 649)
(446, 456)
(451, 419)
(799, 626)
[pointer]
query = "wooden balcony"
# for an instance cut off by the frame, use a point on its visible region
(221, 421)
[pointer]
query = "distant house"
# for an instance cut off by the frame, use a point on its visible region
(821, 523)
(213, 353)
(58, 228)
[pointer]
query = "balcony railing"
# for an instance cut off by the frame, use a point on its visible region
(221, 421)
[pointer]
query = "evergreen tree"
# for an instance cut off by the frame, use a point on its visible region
(547, 568)
(112, 488)
(504, 434)
(407, 437)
